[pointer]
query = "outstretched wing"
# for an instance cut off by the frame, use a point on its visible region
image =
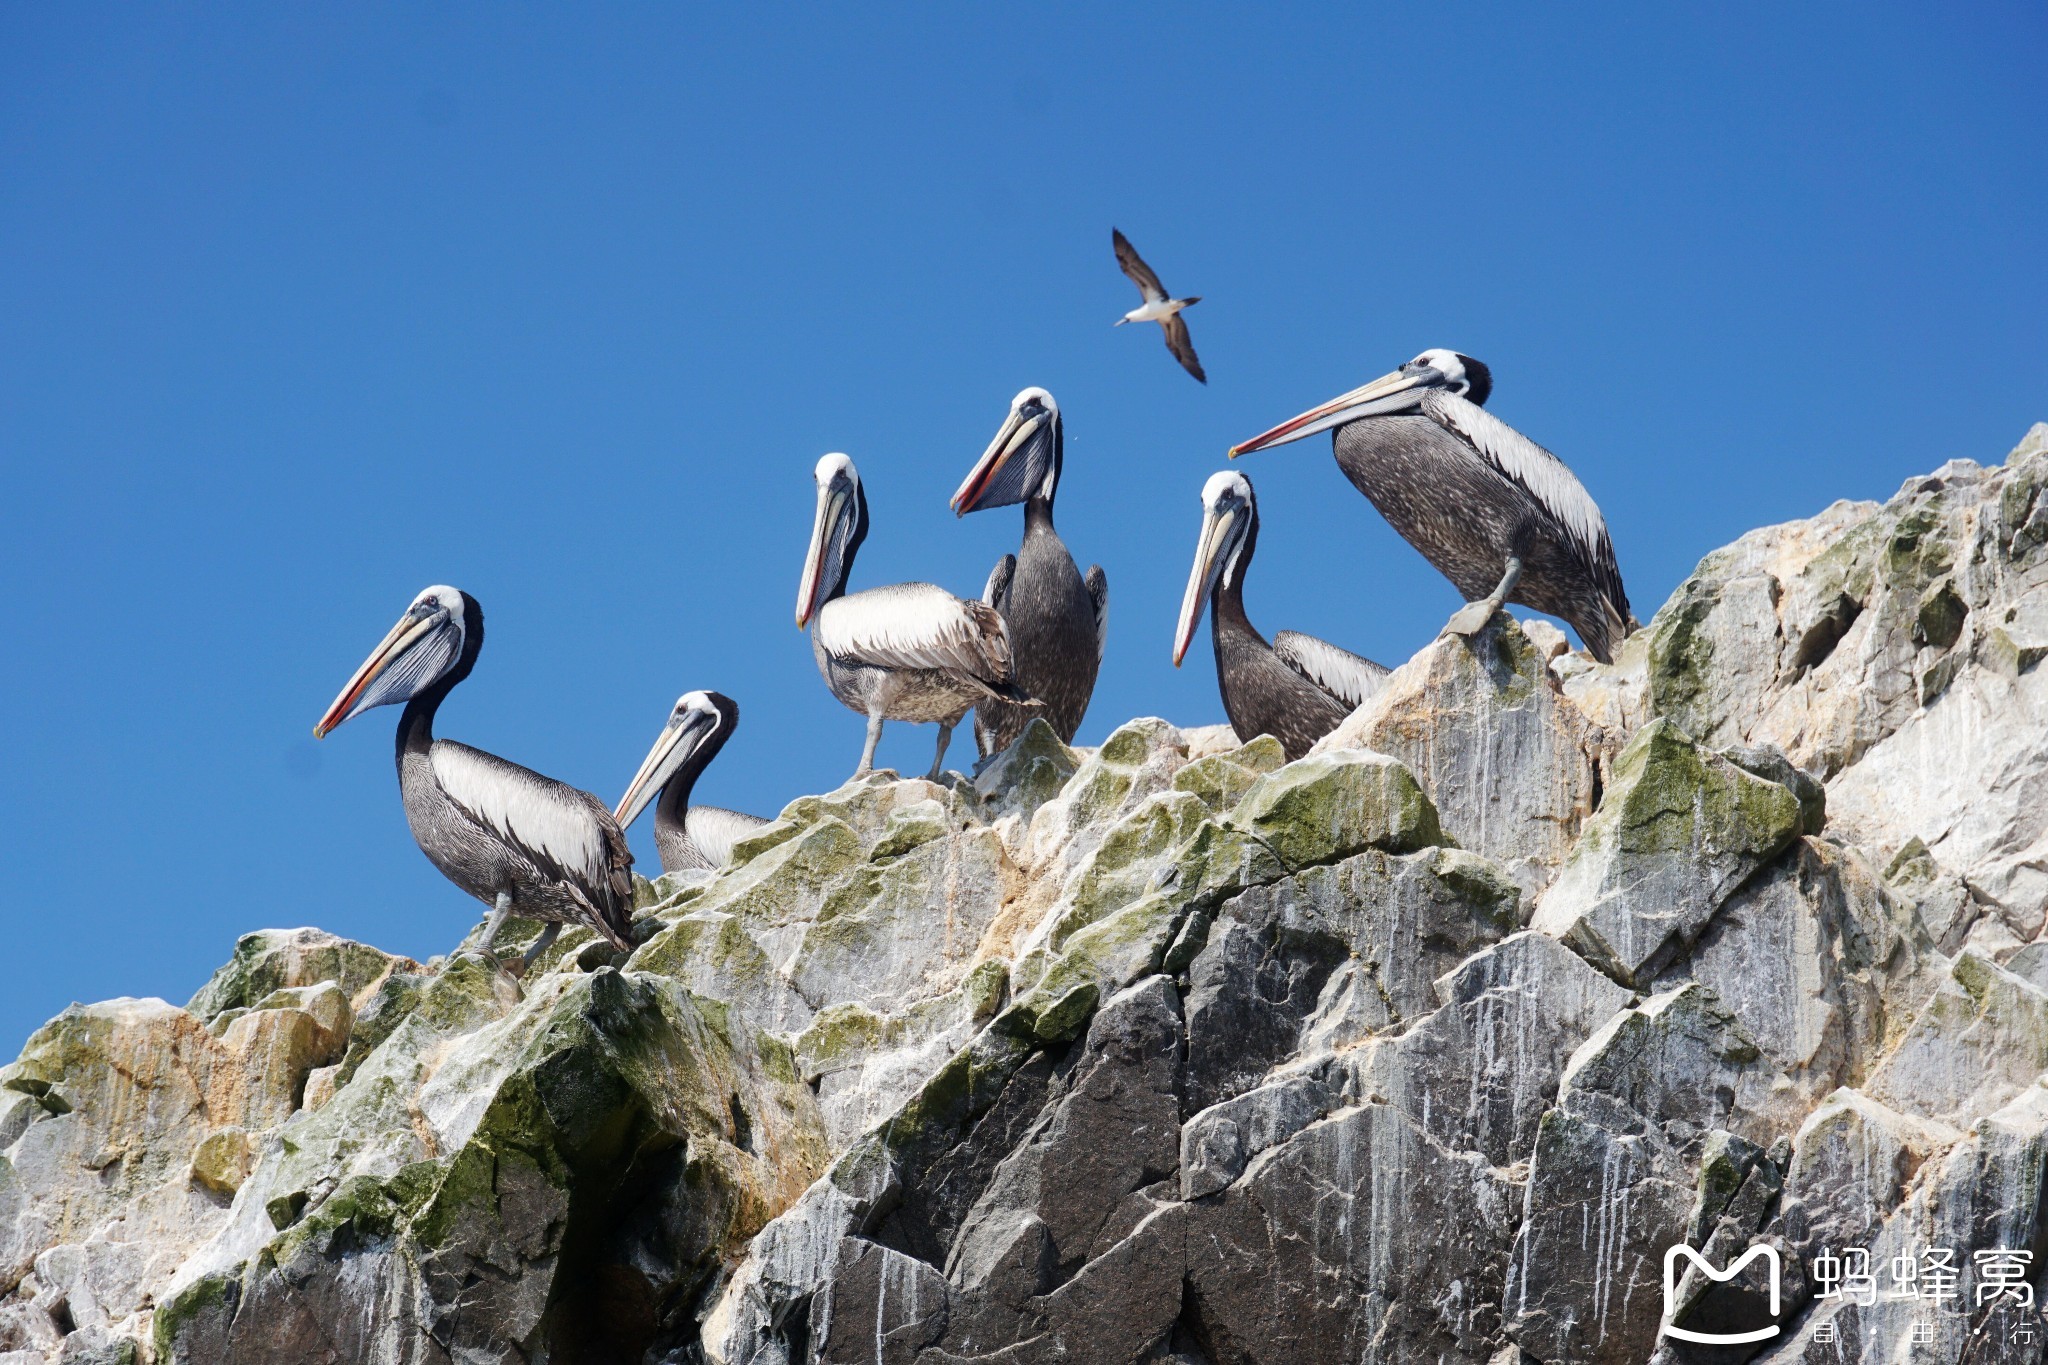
(916, 625)
(1097, 583)
(1543, 477)
(568, 836)
(1183, 348)
(998, 589)
(1351, 678)
(1133, 265)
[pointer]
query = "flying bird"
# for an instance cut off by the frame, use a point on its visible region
(1296, 689)
(911, 652)
(689, 838)
(1157, 306)
(521, 843)
(1057, 619)
(1497, 514)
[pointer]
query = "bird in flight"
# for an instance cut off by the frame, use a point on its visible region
(1157, 306)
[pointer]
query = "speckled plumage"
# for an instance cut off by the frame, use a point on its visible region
(1056, 620)
(1466, 517)
(897, 691)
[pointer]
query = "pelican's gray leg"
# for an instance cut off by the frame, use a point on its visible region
(499, 912)
(540, 945)
(1470, 618)
(939, 758)
(867, 755)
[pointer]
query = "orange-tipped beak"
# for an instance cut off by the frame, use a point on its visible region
(1201, 579)
(1010, 438)
(1360, 402)
(810, 585)
(395, 642)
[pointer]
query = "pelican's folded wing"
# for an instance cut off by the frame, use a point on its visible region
(566, 834)
(916, 625)
(1542, 476)
(714, 830)
(1097, 583)
(999, 581)
(1352, 679)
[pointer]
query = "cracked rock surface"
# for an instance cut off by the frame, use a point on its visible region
(1420, 1049)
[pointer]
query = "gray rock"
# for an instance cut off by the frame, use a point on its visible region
(1612, 1178)
(1679, 830)
(1478, 1073)
(1979, 1041)
(1510, 765)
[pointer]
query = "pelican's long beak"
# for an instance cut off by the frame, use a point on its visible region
(1381, 395)
(401, 638)
(807, 589)
(671, 747)
(1014, 435)
(1202, 579)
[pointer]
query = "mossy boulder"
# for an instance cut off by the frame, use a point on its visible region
(623, 1116)
(272, 960)
(1026, 775)
(1332, 805)
(1681, 828)
(1220, 780)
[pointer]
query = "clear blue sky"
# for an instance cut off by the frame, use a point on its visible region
(303, 308)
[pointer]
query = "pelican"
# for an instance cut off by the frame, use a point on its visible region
(1057, 620)
(911, 652)
(1296, 689)
(1157, 307)
(1497, 514)
(521, 843)
(688, 837)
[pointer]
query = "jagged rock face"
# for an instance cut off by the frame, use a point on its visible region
(1422, 1048)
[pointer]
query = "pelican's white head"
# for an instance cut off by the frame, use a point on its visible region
(1022, 462)
(699, 724)
(429, 642)
(1229, 515)
(1454, 373)
(840, 526)
(1435, 370)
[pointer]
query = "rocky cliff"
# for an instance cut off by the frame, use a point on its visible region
(1422, 1048)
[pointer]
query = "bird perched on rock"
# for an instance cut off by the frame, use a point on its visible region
(521, 843)
(1296, 689)
(911, 652)
(1497, 514)
(1157, 307)
(689, 838)
(1057, 619)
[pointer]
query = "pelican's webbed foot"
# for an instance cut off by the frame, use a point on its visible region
(521, 965)
(1471, 618)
